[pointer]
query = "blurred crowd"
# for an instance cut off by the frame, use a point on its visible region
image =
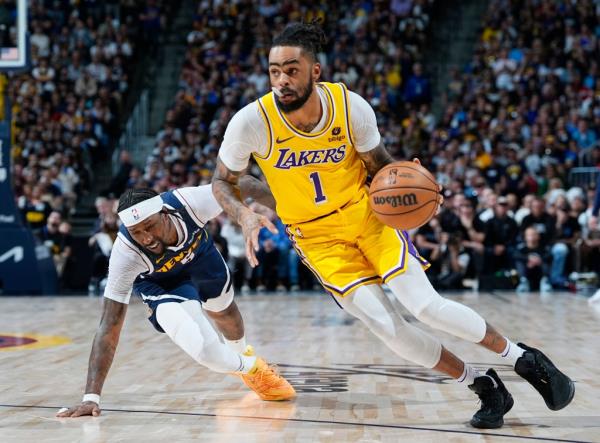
(516, 121)
(66, 108)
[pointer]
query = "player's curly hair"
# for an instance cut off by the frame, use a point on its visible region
(308, 36)
(133, 196)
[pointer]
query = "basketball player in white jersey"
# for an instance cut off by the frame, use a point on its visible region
(164, 255)
(316, 143)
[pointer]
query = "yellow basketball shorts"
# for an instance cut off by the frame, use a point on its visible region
(350, 248)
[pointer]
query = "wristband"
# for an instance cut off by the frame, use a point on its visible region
(91, 397)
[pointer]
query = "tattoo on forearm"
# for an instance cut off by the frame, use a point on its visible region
(226, 191)
(251, 187)
(104, 347)
(375, 159)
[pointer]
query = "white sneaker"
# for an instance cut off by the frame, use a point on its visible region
(281, 288)
(594, 298)
(294, 288)
(245, 290)
(545, 286)
(523, 285)
(261, 288)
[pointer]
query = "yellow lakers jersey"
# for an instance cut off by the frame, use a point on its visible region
(311, 174)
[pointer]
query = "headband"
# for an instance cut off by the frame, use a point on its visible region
(141, 211)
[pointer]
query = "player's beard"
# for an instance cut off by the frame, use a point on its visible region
(296, 104)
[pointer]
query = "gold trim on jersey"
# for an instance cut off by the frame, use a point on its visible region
(330, 117)
(268, 127)
(347, 112)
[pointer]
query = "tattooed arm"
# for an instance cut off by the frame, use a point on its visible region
(258, 191)
(375, 159)
(225, 188)
(103, 351)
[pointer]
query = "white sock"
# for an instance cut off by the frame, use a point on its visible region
(246, 363)
(469, 375)
(238, 345)
(512, 351)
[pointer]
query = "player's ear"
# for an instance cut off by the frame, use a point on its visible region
(316, 71)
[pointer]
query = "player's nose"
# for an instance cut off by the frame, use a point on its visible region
(283, 80)
(147, 238)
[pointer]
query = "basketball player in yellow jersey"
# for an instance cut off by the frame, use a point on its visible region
(316, 143)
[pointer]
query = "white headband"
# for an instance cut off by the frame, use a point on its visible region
(141, 211)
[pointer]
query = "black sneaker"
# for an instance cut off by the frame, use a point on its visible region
(555, 387)
(495, 401)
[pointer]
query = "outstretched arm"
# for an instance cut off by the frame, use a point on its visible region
(227, 192)
(103, 351)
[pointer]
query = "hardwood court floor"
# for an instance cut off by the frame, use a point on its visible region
(350, 386)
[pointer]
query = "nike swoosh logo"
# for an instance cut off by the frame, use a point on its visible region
(284, 140)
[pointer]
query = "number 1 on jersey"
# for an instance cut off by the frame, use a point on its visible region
(314, 176)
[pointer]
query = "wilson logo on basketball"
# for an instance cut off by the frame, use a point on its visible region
(397, 200)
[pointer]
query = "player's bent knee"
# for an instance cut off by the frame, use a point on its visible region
(370, 305)
(453, 318)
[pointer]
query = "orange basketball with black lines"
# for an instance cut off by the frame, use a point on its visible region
(404, 195)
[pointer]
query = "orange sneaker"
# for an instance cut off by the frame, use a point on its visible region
(266, 381)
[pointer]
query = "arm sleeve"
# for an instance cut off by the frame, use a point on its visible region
(124, 266)
(246, 133)
(201, 201)
(364, 124)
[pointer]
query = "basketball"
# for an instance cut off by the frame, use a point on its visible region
(404, 195)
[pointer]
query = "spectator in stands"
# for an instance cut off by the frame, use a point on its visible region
(67, 106)
(428, 240)
(118, 183)
(34, 207)
(533, 262)
(238, 264)
(417, 89)
(501, 233)
(473, 235)
(274, 256)
(566, 235)
(56, 236)
(540, 220)
(454, 262)
(101, 243)
(214, 229)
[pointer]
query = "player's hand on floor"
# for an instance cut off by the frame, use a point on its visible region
(251, 224)
(86, 408)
